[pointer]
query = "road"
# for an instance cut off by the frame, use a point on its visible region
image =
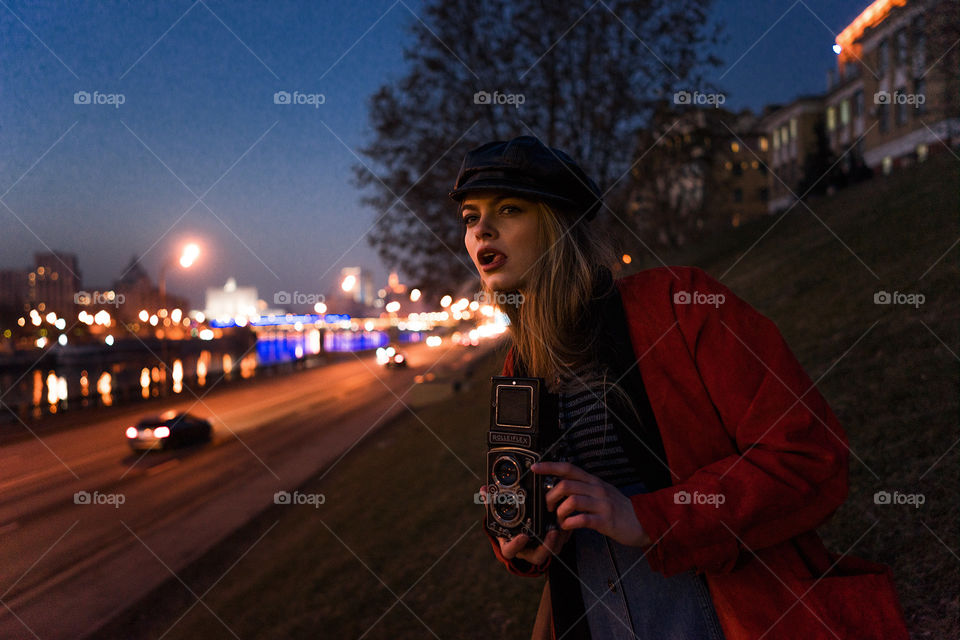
(67, 568)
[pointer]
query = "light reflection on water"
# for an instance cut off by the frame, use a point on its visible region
(50, 391)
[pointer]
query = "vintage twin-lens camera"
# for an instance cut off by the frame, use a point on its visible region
(524, 429)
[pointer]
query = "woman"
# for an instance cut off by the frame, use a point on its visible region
(696, 457)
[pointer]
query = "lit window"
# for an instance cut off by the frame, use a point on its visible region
(763, 143)
(845, 112)
(887, 165)
(793, 128)
(922, 152)
(831, 118)
(735, 147)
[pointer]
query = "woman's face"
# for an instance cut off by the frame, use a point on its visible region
(501, 237)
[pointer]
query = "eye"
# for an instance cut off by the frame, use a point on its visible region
(509, 208)
(469, 218)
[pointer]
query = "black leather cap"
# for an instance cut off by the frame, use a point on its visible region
(527, 167)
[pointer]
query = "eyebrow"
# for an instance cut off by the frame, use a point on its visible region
(495, 202)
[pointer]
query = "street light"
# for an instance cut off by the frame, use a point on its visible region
(190, 254)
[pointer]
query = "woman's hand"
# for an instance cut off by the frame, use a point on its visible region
(516, 547)
(582, 500)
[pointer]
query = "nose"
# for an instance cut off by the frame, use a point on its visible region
(484, 228)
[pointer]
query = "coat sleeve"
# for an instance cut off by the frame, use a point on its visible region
(790, 470)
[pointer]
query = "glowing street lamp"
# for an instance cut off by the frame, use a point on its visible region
(349, 283)
(190, 254)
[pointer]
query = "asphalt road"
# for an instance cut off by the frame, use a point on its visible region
(67, 568)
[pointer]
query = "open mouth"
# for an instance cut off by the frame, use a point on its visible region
(490, 259)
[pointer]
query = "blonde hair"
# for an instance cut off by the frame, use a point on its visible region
(551, 335)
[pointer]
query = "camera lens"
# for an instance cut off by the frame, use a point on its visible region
(506, 471)
(507, 510)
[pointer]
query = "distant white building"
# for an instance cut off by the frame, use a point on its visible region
(232, 302)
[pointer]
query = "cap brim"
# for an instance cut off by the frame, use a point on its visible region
(492, 185)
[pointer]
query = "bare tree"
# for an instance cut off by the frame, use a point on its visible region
(581, 76)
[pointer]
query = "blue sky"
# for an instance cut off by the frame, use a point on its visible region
(199, 120)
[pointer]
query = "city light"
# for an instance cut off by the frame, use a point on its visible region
(392, 307)
(190, 254)
(445, 302)
(414, 295)
(349, 283)
(837, 49)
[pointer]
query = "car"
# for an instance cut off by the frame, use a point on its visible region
(168, 430)
(391, 356)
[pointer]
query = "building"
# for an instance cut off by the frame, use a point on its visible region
(135, 292)
(356, 284)
(53, 283)
(893, 98)
(792, 131)
(231, 302)
(14, 290)
(740, 160)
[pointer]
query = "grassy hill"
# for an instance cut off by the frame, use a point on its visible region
(399, 518)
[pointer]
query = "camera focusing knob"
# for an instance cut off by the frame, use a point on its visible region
(549, 483)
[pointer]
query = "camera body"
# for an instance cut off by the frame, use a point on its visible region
(524, 429)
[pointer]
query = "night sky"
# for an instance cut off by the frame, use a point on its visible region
(199, 121)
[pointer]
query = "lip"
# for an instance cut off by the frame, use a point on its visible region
(497, 262)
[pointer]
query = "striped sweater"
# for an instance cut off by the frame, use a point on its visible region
(588, 439)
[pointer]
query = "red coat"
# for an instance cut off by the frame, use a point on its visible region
(740, 418)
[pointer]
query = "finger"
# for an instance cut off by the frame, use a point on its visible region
(583, 504)
(569, 488)
(535, 556)
(510, 548)
(563, 470)
(581, 521)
